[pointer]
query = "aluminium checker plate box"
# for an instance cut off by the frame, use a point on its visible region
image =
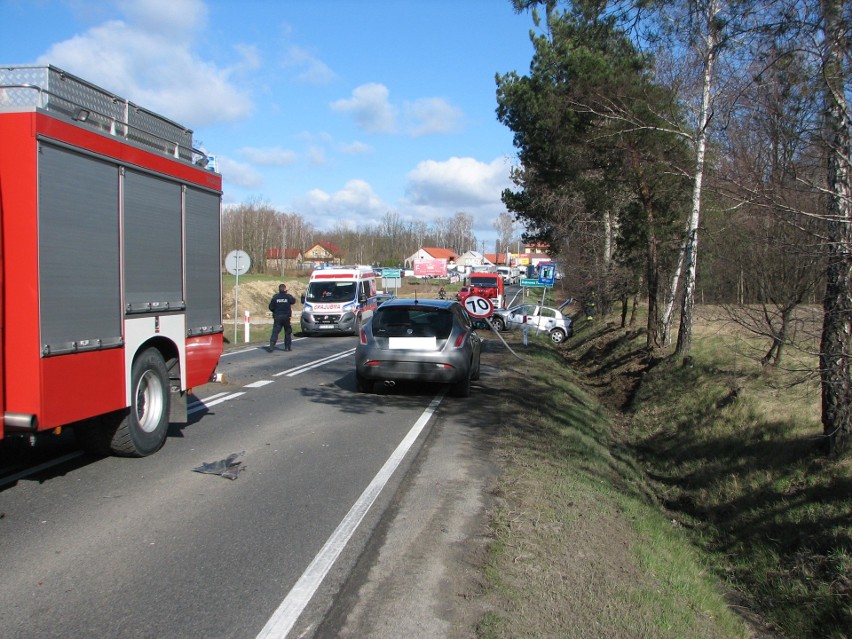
(54, 90)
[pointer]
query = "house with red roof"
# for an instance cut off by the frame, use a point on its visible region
(277, 261)
(500, 259)
(324, 253)
(427, 253)
(533, 254)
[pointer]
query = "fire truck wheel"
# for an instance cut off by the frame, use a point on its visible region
(142, 429)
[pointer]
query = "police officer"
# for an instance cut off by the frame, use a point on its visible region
(281, 306)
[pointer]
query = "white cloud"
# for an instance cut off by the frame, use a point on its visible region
(356, 148)
(373, 112)
(355, 203)
(170, 18)
(428, 116)
(270, 156)
(308, 68)
(149, 60)
(317, 155)
(250, 58)
(370, 107)
(458, 182)
(238, 173)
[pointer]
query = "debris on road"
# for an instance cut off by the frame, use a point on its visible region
(230, 467)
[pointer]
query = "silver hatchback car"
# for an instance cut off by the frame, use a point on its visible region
(418, 340)
(541, 319)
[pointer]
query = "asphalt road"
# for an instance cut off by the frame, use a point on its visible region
(137, 548)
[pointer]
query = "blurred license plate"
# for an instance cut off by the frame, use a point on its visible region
(412, 343)
(326, 326)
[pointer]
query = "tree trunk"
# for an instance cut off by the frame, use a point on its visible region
(635, 308)
(786, 316)
(652, 266)
(711, 42)
(666, 323)
(837, 305)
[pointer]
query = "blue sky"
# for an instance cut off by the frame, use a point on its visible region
(337, 110)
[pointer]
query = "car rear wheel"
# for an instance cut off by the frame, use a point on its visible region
(498, 323)
(557, 336)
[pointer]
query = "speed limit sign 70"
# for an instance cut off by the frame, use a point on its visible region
(479, 307)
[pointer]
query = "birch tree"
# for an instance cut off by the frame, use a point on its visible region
(710, 37)
(837, 304)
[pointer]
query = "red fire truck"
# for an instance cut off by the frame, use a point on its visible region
(488, 285)
(110, 288)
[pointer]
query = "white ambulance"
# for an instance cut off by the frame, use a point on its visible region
(338, 300)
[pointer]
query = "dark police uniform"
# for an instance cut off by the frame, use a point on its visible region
(281, 306)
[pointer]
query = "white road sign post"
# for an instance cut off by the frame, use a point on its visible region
(237, 263)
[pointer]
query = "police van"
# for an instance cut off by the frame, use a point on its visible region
(338, 300)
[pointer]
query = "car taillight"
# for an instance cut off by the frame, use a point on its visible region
(363, 336)
(460, 340)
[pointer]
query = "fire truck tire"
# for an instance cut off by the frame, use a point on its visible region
(141, 430)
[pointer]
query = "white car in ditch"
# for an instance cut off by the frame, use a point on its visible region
(541, 319)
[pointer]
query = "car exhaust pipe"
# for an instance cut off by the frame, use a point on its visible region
(389, 383)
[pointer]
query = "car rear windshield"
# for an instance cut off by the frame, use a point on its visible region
(404, 321)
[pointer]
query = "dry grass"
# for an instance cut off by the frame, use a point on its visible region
(580, 549)
(734, 452)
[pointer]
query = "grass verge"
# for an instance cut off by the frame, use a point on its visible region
(735, 451)
(732, 452)
(580, 547)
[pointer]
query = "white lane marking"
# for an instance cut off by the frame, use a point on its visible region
(290, 372)
(308, 367)
(259, 384)
(297, 599)
(218, 398)
(207, 404)
(249, 349)
(9, 479)
(196, 402)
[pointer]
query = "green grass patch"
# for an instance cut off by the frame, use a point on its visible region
(733, 452)
(580, 547)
